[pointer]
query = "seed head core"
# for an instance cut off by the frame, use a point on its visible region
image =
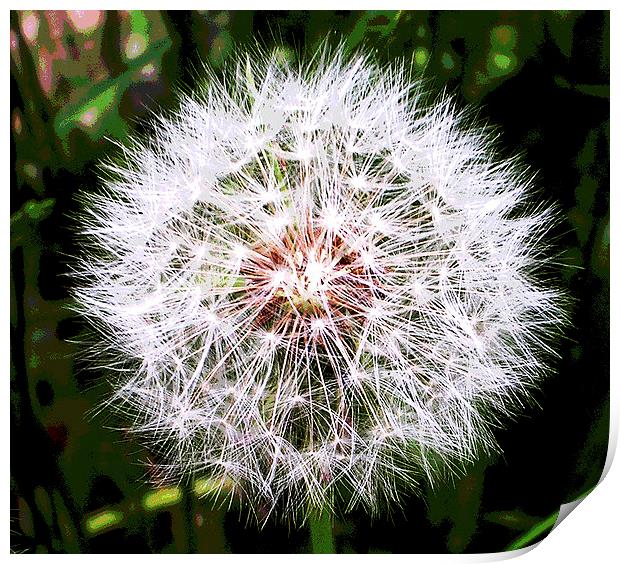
(307, 279)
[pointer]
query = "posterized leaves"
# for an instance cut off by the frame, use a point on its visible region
(98, 112)
(560, 24)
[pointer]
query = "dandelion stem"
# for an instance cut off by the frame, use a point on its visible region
(321, 538)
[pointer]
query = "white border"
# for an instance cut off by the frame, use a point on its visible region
(588, 534)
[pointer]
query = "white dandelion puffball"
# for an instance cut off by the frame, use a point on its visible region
(314, 288)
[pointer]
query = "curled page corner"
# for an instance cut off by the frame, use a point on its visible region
(569, 507)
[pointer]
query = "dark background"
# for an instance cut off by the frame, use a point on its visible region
(80, 80)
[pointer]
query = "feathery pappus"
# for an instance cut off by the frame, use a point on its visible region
(316, 287)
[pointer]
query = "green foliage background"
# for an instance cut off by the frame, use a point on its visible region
(80, 80)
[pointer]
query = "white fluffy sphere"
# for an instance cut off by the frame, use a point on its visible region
(315, 287)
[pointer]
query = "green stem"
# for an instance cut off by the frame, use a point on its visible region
(321, 537)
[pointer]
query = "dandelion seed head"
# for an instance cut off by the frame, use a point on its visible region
(318, 287)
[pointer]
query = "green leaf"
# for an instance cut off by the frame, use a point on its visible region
(373, 22)
(560, 25)
(542, 527)
(534, 533)
(101, 102)
(31, 212)
(516, 520)
(103, 520)
(162, 497)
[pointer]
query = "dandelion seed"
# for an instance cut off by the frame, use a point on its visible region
(318, 290)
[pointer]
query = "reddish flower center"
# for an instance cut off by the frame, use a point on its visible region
(306, 280)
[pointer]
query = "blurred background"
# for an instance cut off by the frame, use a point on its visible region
(83, 79)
